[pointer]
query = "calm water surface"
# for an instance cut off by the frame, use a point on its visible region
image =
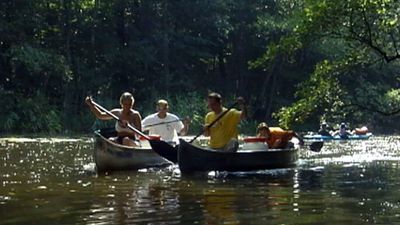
(52, 181)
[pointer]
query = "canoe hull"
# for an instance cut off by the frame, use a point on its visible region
(165, 150)
(109, 156)
(192, 158)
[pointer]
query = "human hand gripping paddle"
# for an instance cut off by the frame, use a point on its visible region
(213, 122)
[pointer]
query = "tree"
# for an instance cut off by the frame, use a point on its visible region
(367, 35)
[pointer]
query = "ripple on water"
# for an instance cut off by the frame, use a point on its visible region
(49, 180)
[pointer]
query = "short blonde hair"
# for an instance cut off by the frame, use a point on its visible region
(126, 96)
(162, 102)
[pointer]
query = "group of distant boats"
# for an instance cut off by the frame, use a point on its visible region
(343, 133)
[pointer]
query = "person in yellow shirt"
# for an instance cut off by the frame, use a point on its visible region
(224, 133)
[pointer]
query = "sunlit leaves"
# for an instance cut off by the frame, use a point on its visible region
(363, 31)
(316, 95)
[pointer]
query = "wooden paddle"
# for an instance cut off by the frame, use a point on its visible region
(119, 120)
(213, 122)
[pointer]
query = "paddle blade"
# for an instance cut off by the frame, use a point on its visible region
(316, 146)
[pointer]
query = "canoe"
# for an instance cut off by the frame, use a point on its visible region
(165, 150)
(110, 156)
(337, 137)
(193, 158)
(170, 152)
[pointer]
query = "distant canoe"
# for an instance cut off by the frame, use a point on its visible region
(193, 158)
(327, 138)
(110, 156)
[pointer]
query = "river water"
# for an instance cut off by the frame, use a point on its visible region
(52, 181)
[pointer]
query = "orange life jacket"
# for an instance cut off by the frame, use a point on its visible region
(278, 133)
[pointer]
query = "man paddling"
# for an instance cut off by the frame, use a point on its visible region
(223, 133)
(165, 124)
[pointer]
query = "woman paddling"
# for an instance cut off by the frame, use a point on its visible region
(127, 116)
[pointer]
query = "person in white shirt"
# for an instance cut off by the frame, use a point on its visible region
(165, 124)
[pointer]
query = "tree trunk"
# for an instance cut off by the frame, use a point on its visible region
(271, 96)
(70, 105)
(165, 48)
(120, 22)
(264, 87)
(222, 68)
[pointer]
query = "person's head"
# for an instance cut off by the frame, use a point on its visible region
(162, 105)
(324, 125)
(263, 130)
(214, 101)
(126, 100)
(342, 126)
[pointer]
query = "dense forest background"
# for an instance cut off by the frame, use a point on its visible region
(296, 62)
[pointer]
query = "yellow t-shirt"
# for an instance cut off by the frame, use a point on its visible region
(224, 129)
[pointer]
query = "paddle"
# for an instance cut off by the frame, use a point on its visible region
(166, 122)
(160, 147)
(213, 122)
(119, 120)
(314, 146)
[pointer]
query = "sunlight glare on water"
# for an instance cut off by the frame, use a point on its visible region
(48, 181)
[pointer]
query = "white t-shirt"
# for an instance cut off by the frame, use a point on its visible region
(168, 132)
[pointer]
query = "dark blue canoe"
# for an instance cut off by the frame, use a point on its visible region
(192, 158)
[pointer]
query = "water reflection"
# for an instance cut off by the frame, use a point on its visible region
(43, 180)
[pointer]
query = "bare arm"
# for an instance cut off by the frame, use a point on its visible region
(137, 121)
(186, 124)
(99, 114)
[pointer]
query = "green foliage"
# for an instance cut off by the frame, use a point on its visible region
(344, 84)
(248, 127)
(29, 115)
(54, 53)
(192, 105)
(391, 99)
(39, 62)
(320, 94)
